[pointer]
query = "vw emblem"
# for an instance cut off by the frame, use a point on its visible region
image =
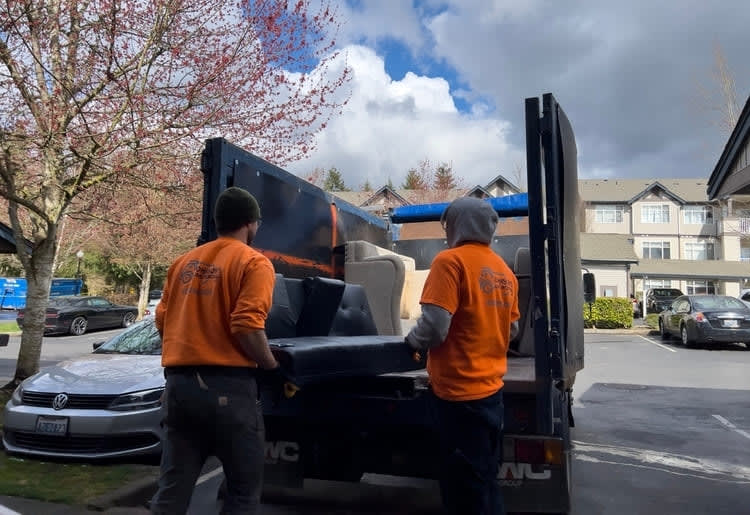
(60, 401)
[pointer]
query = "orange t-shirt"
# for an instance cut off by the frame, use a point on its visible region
(215, 291)
(479, 289)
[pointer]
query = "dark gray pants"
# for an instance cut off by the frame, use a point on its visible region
(211, 414)
(470, 434)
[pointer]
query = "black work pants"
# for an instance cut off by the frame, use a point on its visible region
(211, 414)
(470, 434)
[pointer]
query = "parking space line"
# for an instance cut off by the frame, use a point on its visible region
(649, 340)
(208, 475)
(731, 426)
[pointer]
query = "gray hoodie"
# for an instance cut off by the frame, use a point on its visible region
(466, 219)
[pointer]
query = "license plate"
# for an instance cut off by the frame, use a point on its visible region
(52, 425)
(731, 323)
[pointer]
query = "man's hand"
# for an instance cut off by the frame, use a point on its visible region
(278, 382)
(414, 354)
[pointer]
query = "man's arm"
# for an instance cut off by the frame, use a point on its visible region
(255, 345)
(431, 329)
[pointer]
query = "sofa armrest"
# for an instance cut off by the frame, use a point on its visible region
(383, 280)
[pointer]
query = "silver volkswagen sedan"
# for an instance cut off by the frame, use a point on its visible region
(102, 405)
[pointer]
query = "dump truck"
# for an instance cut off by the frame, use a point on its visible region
(377, 421)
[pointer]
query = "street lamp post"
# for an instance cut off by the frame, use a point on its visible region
(79, 255)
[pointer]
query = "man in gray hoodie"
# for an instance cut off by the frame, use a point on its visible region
(469, 316)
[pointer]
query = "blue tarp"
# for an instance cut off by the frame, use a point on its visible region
(507, 206)
(13, 290)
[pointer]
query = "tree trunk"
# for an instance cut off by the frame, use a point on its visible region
(144, 289)
(39, 280)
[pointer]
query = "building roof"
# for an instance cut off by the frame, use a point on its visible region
(722, 181)
(353, 197)
(692, 269)
(500, 178)
(629, 190)
(607, 248)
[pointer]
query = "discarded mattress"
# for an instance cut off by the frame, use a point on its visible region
(315, 359)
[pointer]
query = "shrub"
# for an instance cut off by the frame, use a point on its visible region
(608, 313)
(652, 320)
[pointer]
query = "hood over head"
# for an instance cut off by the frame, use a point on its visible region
(469, 219)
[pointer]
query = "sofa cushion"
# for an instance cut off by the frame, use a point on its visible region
(353, 317)
(282, 318)
(322, 299)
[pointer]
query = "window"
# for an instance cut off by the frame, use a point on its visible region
(699, 250)
(698, 287)
(656, 283)
(608, 291)
(656, 250)
(608, 214)
(655, 213)
(745, 254)
(698, 214)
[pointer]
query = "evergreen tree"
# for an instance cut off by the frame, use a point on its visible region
(390, 183)
(334, 181)
(367, 186)
(444, 179)
(414, 180)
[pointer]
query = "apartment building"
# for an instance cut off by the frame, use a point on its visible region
(681, 238)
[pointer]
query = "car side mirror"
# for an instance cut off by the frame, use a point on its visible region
(96, 345)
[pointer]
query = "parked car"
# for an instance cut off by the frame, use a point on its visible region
(76, 315)
(702, 319)
(657, 300)
(101, 405)
(745, 297)
(154, 294)
(151, 307)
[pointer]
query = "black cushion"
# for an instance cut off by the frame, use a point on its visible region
(322, 299)
(353, 318)
(282, 318)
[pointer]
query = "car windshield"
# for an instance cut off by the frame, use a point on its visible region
(718, 302)
(141, 338)
(666, 292)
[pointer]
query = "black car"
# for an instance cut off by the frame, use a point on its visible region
(701, 319)
(657, 300)
(76, 315)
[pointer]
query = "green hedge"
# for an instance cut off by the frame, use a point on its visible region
(608, 313)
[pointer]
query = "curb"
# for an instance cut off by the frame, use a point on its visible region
(633, 330)
(134, 494)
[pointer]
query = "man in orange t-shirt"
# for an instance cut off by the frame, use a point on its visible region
(469, 315)
(212, 322)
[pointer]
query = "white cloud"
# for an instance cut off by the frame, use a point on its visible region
(390, 126)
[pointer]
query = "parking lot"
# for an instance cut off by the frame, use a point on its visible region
(659, 429)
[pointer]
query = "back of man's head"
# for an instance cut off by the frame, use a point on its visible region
(234, 208)
(469, 219)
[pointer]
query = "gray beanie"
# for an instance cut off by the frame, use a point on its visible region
(234, 208)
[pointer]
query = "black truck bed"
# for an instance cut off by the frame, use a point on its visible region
(520, 377)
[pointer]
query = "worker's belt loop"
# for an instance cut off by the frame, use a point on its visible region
(201, 382)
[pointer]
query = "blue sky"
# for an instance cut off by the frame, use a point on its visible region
(445, 80)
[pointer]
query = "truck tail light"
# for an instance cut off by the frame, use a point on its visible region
(537, 451)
